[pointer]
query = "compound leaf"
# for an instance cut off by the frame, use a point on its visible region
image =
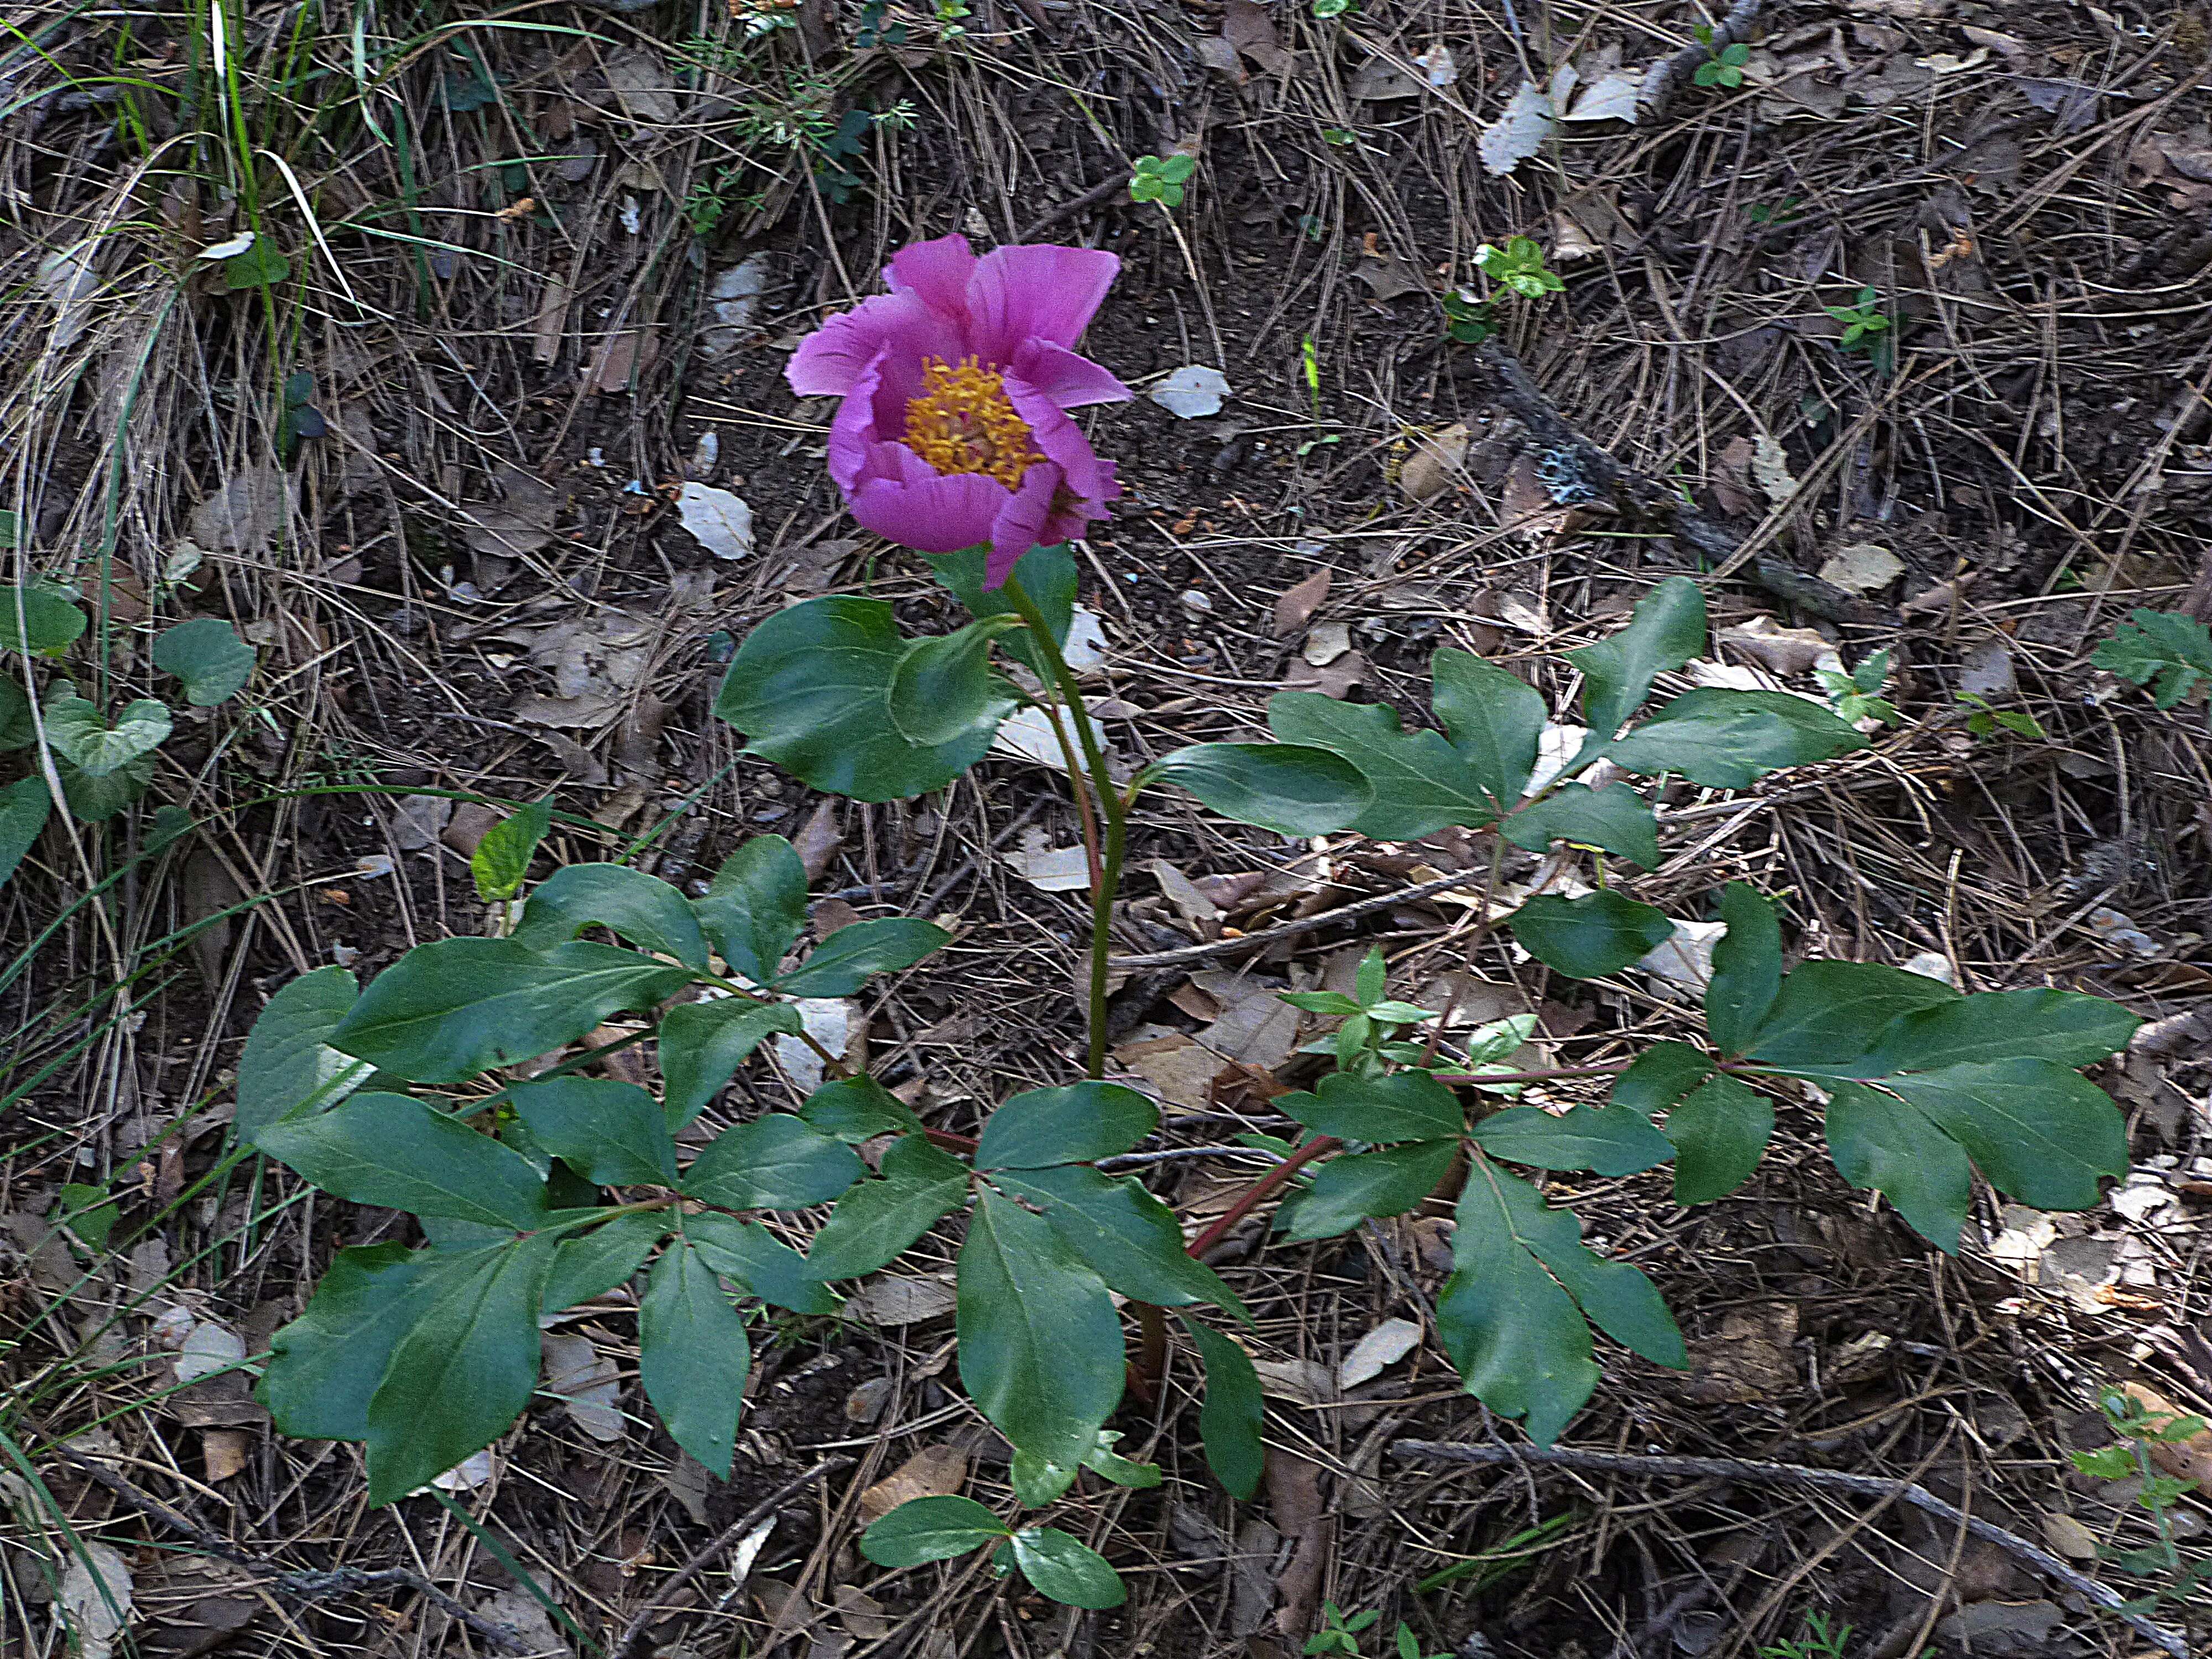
(2167, 646)
(2042, 1133)
(1121, 1233)
(324, 1366)
(1828, 1014)
(1348, 1190)
(757, 1260)
(1720, 1133)
(289, 1067)
(1610, 1142)
(940, 687)
(703, 1043)
(1496, 720)
(1668, 629)
(1066, 1569)
(1883, 1145)
(852, 956)
(2059, 1026)
(592, 1264)
(396, 1151)
(1073, 1124)
(755, 907)
(1747, 968)
(924, 1529)
(1047, 574)
(1615, 818)
(1406, 1105)
(1420, 782)
(1233, 1411)
(612, 1134)
(875, 1221)
(1727, 740)
(1660, 1076)
(773, 1162)
(857, 1109)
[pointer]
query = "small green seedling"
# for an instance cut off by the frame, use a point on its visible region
(1409, 1645)
(2139, 1429)
(1338, 1633)
(1775, 213)
(1519, 266)
(1818, 1640)
(1863, 320)
(1160, 179)
(1856, 697)
(1468, 319)
(1310, 364)
(1987, 717)
(2169, 651)
(1723, 68)
(1326, 8)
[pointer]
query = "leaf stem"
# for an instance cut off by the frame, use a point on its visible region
(1319, 1146)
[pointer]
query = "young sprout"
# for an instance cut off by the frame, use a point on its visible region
(1519, 265)
(1160, 179)
(1862, 320)
(1723, 68)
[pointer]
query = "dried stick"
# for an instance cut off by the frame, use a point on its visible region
(634, 1631)
(1366, 907)
(1784, 1475)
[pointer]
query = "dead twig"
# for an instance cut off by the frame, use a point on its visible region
(1366, 907)
(1786, 1475)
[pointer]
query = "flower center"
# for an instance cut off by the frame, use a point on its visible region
(965, 422)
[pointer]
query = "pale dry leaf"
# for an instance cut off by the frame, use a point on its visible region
(1084, 649)
(719, 521)
(2068, 1537)
(1784, 651)
(1611, 97)
(1934, 964)
(1770, 470)
(1555, 747)
(252, 510)
(689, 1482)
(1749, 1358)
(70, 282)
(521, 1612)
(1338, 679)
(1435, 463)
(96, 1588)
(862, 1615)
(472, 1471)
(640, 82)
(1308, 1382)
(586, 1382)
(419, 821)
(209, 1348)
(1326, 643)
(1862, 567)
(734, 301)
(1027, 735)
(1518, 133)
(1294, 606)
(1683, 964)
(1378, 80)
(1437, 68)
(1987, 671)
(1180, 1071)
(1381, 1348)
(1570, 241)
(225, 1452)
(830, 1021)
(1047, 868)
(819, 840)
(1181, 892)
(1246, 26)
(1192, 392)
(901, 1301)
(932, 1472)
(1256, 1027)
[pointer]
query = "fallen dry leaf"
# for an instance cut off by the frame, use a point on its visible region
(1862, 567)
(1047, 868)
(1784, 651)
(1770, 470)
(225, 1451)
(901, 1301)
(2184, 1460)
(1381, 1348)
(719, 521)
(1434, 465)
(1750, 1358)
(586, 1382)
(932, 1472)
(1295, 606)
(95, 1593)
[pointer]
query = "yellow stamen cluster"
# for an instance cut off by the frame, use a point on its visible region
(964, 422)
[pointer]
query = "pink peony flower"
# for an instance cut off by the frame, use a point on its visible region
(953, 430)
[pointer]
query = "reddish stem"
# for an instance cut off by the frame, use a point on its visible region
(1320, 1147)
(950, 1142)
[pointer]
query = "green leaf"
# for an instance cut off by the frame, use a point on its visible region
(41, 620)
(1103, 1459)
(1121, 1233)
(755, 906)
(1350, 1189)
(16, 729)
(1041, 1349)
(1037, 1483)
(1587, 938)
(1720, 1133)
(2042, 1133)
(1726, 740)
(1047, 574)
(1884, 1145)
(1419, 783)
(930, 1529)
(611, 1133)
(81, 737)
(703, 1043)
(1232, 1414)
(1288, 787)
(464, 1369)
(24, 805)
(941, 688)
(208, 656)
(875, 1221)
(644, 909)
(849, 957)
(2059, 1026)
(397, 1152)
(325, 1366)
(773, 1162)
(1747, 968)
(289, 1068)
(1661, 1075)
(810, 688)
(1073, 1124)
(757, 1260)
(593, 1263)
(1402, 1106)
(501, 860)
(1610, 1142)
(258, 266)
(1615, 818)
(857, 1109)
(2169, 646)
(96, 799)
(1496, 720)
(1668, 629)
(452, 1009)
(1066, 1570)
(87, 1211)
(1828, 1014)
(692, 1356)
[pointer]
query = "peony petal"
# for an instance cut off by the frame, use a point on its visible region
(929, 512)
(1021, 522)
(1069, 380)
(1072, 516)
(1040, 292)
(854, 432)
(830, 360)
(936, 273)
(1063, 444)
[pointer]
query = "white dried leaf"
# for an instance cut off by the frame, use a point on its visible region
(246, 514)
(1047, 868)
(70, 281)
(1306, 1380)
(472, 1471)
(1431, 469)
(586, 1382)
(1934, 964)
(96, 1587)
(229, 248)
(1862, 567)
(1026, 734)
(520, 1613)
(902, 1301)
(1770, 470)
(1326, 642)
(1385, 1345)
(207, 1348)
(721, 523)
(1557, 746)
(734, 301)
(419, 821)
(1084, 649)
(1987, 671)
(1684, 963)
(1518, 133)
(640, 82)
(1610, 98)
(1436, 66)
(828, 1021)
(1784, 651)
(1192, 392)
